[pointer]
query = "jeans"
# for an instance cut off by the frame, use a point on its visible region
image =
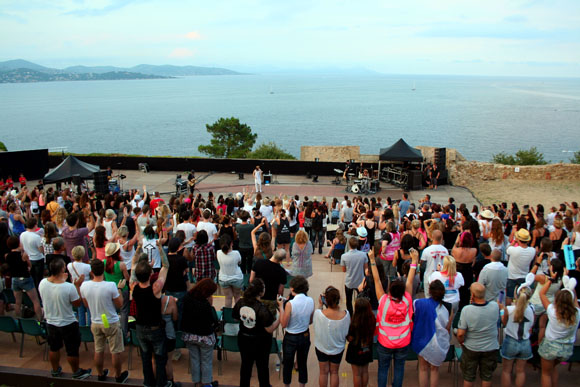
(317, 236)
(348, 297)
(254, 349)
(180, 296)
(125, 313)
(37, 271)
(385, 356)
(295, 344)
(247, 259)
(152, 343)
(201, 362)
(84, 315)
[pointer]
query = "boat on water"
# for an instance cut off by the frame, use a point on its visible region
(414, 88)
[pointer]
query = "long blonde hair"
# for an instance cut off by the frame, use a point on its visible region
(450, 267)
(522, 303)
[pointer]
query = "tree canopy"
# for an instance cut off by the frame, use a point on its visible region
(522, 157)
(230, 139)
(576, 158)
(270, 151)
(2, 147)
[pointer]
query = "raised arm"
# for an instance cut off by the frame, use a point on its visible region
(411, 276)
(544, 292)
(379, 291)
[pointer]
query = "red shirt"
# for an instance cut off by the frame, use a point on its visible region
(22, 181)
(9, 183)
(155, 203)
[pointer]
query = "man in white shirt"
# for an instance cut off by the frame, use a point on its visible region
(208, 226)
(188, 228)
(519, 259)
(433, 256)
(258, 178)
(32, 244)
(103, 298)
(62, 328)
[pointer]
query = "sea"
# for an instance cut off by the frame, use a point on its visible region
(479, 116)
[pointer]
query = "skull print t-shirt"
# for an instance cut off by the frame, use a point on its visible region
(253, 317)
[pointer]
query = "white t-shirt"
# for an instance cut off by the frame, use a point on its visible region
(230, 265)
(99, 296)
(189, 229)
(32, 242)
(57, 299)
(209, 228)
(80, 268)
(258, 175)
(451, 291)
(267, 212)
(434, 255)
(555, 330)
(330, 335)
(302, 308)
(152, 250)
(511, 328)
(519, 261)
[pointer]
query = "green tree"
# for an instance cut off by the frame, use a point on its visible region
(576, 158)
(270, 151)
(231, 139)
(3, 147)
(522, 157)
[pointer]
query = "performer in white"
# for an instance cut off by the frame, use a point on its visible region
(258, 178)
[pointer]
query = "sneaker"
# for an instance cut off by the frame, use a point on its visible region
(103, 377)
(122, 378)
(57, 373)
(82, 374)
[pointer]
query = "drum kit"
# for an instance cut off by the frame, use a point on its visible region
(364, 185)
(116, 183)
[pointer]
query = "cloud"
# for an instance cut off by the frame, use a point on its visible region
(12, 17)
(193, 35)
(515, 19)
(181, 53)
(112, 7)
(497, 31)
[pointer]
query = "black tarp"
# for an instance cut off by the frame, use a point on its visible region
(70, 167)
(400, 151)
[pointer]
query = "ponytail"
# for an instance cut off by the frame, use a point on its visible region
(450, 267)
(225, 243)
(521, 304)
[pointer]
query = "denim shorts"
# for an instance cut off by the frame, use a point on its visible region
(555, 350)
(20, 284)
(513, 349)
(236, 283)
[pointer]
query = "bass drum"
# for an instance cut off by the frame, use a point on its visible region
(355, 188)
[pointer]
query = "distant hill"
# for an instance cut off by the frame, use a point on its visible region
(19, 70)
(28, 75)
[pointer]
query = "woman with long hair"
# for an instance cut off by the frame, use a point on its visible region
(100, 241)
(231, 277)
(558, 342)
(430, 340)
(451, 279)
(50, 232)
(331, 325)
(338, 243)
(518, 320)
(301, 255)
(360, 341)
(16, 220)
(540, 231)
(402, 255)
(418, 233)
(263, 243)
(255, 337)
(199, 324)
(558, 236)
(497, 239)
(152, 245)
(282, 227)
(464, 253)
(553, 275)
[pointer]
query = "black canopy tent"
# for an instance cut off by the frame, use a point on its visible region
(69, 168)
(400, 151)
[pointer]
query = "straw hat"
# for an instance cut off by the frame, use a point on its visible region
(111, 249)
(487, 214)
(523, 235)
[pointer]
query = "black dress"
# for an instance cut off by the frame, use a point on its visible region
(357, 353)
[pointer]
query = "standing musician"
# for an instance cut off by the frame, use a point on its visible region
(346, 170)
(191, 181)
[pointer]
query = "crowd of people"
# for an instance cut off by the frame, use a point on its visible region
(416, 274)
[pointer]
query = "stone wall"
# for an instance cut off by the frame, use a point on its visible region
(329, 153)
(463, 172)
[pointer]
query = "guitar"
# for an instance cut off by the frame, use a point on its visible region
(191, 182)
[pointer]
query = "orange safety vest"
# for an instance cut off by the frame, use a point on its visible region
(395, 321)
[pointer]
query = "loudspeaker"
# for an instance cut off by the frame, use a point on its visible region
(101, 182)
(440, 157)
(240, 176)
(415, 182)
(315, 179)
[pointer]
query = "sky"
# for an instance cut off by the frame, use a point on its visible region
(463, 37)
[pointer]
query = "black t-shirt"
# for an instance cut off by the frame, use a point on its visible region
(16, 266)
(245, 235)
(283, 234)
(273, 276)
(175, 279)
(478, 267)
(253, 317)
